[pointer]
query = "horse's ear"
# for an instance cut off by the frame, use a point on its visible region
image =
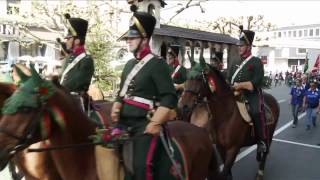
(22, 73)
(55, 81)
(34, 73)
(202, 61)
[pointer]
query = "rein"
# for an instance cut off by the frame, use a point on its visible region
(23, 141)
(80, 145)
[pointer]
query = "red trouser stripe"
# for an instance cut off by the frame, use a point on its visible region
(152, 149)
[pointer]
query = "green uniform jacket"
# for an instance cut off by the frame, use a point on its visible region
(78, 79)
(252, 71)
(180, 77)
(152, 82)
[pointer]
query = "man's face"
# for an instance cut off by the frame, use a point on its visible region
(69, 42)
(133, 43)
(313, 85)
(243, 49)
(170, 58)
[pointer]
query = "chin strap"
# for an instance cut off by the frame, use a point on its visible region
(135, 52)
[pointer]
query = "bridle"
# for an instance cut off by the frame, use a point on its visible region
(200, 98)
(27, 138)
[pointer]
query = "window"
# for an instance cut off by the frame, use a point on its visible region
(289, 33)
(13, 7)
(302, 50)
(284, 34)
(317, 32)
(294, 33)
(279, 34)
(311, 32)
(305, 33)
(300, 33)
(274, 34)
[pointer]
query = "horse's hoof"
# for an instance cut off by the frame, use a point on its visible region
(259, 177)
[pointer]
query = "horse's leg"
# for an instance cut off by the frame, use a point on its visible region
(230, 157)
(262, 163)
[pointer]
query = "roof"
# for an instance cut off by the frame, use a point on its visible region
(298, 27)
(172, 31)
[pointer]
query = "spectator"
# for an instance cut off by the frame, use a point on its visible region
(296, 100)
(311, 104)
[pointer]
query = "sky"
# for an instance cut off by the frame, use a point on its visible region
(280, 13)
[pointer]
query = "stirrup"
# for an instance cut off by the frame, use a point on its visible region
(262, 147)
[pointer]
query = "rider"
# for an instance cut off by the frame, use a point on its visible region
(78, 68)
(145, 80)
(248, 76)
(178, 72)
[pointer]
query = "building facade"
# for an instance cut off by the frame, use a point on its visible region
(286, 48)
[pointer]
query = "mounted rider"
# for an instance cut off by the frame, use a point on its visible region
(78, 68)
(248, 77)
(145, 80)
(178, 72)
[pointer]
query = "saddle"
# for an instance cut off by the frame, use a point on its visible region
(244, 110)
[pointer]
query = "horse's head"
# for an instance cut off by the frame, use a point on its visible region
(26, 117)
(204, 83)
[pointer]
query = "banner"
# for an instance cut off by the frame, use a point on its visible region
(317, 63)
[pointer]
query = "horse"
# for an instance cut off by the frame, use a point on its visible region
(209, 95)
(31, 166)
(69, 125)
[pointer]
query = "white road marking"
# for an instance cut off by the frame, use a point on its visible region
(254, 147)
(297, 143)
(282, 100)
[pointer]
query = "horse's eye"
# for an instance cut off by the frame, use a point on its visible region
(25, 109)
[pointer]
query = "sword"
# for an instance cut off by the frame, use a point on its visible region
(169, 151)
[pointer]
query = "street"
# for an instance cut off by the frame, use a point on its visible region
(294, 153)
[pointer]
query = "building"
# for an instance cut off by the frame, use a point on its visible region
(191, 41)
(17, 45)
(286, 48)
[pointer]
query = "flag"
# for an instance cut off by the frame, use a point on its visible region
(306, 65)
(317, 63)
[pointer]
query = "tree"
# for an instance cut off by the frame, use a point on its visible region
(103, 16)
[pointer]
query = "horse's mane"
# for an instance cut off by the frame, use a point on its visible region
(7, 88)
(221, 78)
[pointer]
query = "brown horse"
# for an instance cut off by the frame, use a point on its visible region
(37, 166)
(209, 93)
(79, 163)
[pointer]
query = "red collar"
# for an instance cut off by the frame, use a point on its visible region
(144, 52)
(77, 51)
(175, 63)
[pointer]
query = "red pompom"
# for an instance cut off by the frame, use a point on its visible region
(43, 90)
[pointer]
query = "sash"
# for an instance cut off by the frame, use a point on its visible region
(175, 71)
(71, 65)
(133, 73)
(239, 68)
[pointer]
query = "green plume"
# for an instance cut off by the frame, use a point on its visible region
(21, 74)
(32, 94)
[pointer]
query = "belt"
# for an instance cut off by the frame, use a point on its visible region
(139, 102)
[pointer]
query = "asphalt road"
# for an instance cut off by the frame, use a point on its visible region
(294, 153)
